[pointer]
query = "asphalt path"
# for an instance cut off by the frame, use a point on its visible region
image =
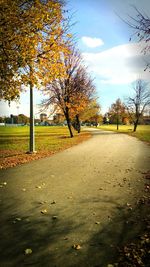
(76, 207)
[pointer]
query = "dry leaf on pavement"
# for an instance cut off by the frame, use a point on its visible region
(28, 251)
(77, 246)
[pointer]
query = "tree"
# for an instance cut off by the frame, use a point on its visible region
(140, 100)
(2, 120)
(91, 113)
(141, 26)
(72, 92)
(32, 40)
(83, 92)
(23, 119)
(117, 112)
(31, 43)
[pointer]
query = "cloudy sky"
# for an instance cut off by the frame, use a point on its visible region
(103, 39)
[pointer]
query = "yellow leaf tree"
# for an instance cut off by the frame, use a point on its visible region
(91, 114)
(32, 41)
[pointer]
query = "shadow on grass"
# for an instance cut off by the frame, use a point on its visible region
(49, 238)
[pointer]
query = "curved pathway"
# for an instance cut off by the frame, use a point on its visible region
(76, 207)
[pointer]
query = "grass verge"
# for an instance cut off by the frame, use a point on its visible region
(142, 132)
(14, 143)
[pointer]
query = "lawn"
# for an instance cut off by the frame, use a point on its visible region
(142, 132)
(14, 143)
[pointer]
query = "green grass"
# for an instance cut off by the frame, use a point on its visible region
(46, 138)
(14, 143)
(142, 132)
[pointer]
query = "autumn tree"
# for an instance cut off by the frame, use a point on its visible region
(72, 92)
(30, 43)
(91, 114)
(23, 119)
(139, 101)
(83, 91)
(33, 36)
(117, 112)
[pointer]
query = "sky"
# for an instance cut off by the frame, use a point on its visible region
(112, 60)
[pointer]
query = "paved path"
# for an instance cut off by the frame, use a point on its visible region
(88, 196)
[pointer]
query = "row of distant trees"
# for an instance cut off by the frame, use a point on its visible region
(20, 119)
(134, 107)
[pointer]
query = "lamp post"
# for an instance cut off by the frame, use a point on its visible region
(18, 113)
(32, 137)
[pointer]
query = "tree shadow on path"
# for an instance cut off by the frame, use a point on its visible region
(51, 239)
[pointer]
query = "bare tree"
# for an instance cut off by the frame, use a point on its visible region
(137, 104)
(141, 26)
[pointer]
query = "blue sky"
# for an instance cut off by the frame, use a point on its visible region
(103, 39)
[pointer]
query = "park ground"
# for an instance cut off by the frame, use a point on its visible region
(86, 206)
(14, 141)
(142, 132)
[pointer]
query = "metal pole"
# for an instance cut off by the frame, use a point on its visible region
(32, 138)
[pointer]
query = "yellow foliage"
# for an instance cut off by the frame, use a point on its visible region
(31, 34)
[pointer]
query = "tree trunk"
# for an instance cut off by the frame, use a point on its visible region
(117, 123)
(135, 125)
(68, 122)
(78, 123)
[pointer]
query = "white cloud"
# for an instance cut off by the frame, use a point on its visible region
(119, 65)
(92, 42)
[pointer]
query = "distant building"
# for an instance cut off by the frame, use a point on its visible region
(43, 117)
(58, 118)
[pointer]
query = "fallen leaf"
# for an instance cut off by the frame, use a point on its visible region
(28, 251)
(54, 202)
(44, 211)
(70, 197)
(18, 219)
(23, 189)
(77, 246)
(41, 202)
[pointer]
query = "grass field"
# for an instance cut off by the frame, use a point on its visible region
(14, 142)
(142, 132)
